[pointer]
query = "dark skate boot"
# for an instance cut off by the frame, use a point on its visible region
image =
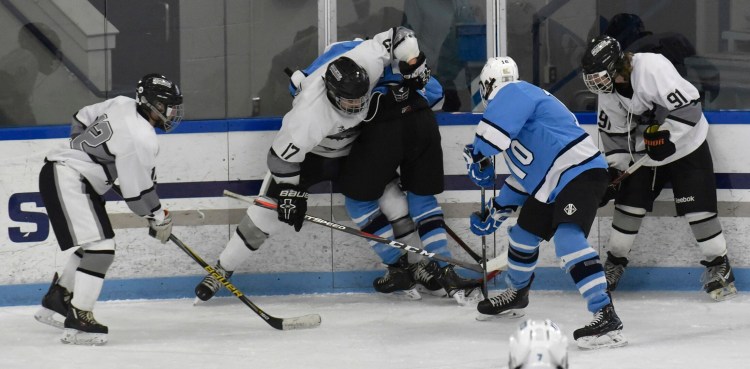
(426, 281)
(398, 281)
(509, 304)
(464, 291)
(81, 328)
(718, 279)
(604, 331)
(55, 305)
(613, 269)
(212, 283)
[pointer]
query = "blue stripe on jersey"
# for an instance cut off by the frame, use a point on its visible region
(563, 151)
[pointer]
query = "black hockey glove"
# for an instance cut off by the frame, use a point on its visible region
(658, 145)
(612, 189)
(415, 75)
(292, 205)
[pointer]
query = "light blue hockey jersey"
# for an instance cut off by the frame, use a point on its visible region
(541, 141)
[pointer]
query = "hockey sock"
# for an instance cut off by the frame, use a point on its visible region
(588, 275)
(523, 252)
(68, 276)
(707, 231)
(626, 222)
(428, 216)
(89, 278)
(369, 218)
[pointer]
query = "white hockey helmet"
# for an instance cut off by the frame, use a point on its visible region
(496, 74)
(539, 345)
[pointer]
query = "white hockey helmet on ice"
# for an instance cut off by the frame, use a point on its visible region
(496, 74)
(538, 344)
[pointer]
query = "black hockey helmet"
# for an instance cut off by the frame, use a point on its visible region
(155, 93)
(347, 85)
(601, 61)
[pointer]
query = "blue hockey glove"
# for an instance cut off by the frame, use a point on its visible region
(480, 168)
(490, 221)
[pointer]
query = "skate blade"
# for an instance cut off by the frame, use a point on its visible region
(505, 315)
(76, 337)
(466, 298)
(608, 340)
(424, 290)
(404, 295)
(47, 316)
(725, 293)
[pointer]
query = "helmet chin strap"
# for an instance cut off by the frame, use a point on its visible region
(155, 110)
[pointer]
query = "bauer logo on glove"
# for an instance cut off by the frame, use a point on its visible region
(658, 145)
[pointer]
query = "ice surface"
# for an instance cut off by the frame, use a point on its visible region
(365, 331)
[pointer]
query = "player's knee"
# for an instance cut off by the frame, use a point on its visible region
(362, 212)
(393, 202)
(422, 207)
(97, 257)
(571, 245)
(402, 227)
(522, 239)
(250, 234)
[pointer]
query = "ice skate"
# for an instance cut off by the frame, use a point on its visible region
(507, 305)
(81, 328)
(604, 331)
(465, 291)
(212, 283)
(614, 267)
(55, 305)
(718, 279)
(426, 281)
(398, 281)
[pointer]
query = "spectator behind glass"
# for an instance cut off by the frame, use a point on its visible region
(629, 30)
(38, 53)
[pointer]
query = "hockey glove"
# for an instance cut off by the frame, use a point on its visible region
(292, 205)
(490, 221)
(612, 189)
(415, 75)
(480, 168)
(658, 145)
(160, 229)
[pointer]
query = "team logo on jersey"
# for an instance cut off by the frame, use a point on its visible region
(401, 94)
(570, 209)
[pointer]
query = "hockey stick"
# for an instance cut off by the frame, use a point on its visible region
(491, 273)
(484, 253)
(358, 233)
(302, 322)
(629, 171)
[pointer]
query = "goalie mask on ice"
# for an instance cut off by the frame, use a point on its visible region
(347, 85)
(538, 344)
(496, 74)
(601, 61)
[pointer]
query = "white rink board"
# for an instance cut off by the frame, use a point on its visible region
(206, 222)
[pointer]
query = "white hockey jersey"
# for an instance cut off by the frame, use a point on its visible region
(660, 95)
(314, 124)
(112, 144)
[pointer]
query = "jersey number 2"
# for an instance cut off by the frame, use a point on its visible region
(95, 135)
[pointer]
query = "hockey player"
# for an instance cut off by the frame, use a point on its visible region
(557, 177)
(331, 100)
(646, 107)
(539, 345)
(401, 138)
(112, 145)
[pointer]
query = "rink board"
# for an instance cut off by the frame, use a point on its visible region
(203, 158)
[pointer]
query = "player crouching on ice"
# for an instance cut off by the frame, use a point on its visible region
(558, 177)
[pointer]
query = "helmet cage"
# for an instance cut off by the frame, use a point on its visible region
(350, 106)
(599, 82)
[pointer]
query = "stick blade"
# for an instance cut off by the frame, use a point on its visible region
(301, 322)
